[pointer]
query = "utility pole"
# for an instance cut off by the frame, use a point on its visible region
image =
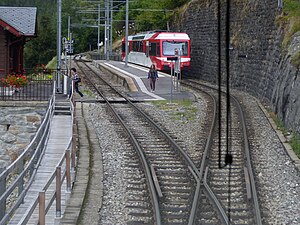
(68, 71)
(69, 40)
(111, 20)
(58, 46)
(98, 43)
(126, 34)
(105, 30)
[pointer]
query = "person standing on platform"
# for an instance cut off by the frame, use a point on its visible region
(76, 79)
(153, 76)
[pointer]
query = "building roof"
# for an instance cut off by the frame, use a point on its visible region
(21, 21)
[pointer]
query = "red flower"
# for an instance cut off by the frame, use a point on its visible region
(14, 81)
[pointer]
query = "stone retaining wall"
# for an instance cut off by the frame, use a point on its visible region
(258, 64)
(18, 126)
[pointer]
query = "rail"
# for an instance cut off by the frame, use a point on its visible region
(249, 176)
(202, 170)
(18, 177)
(254, 198)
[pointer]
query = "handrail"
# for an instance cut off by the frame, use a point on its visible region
(31, 209)
(40, 198)
(34, 151)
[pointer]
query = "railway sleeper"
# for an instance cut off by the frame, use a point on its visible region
(166, 190)
(139, 222)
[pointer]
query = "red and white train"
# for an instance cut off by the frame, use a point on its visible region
(154, 47)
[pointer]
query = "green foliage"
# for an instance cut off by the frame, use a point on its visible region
(40, 50)
(295, 141)
(279, 123)
(52, 63)
(290, 18)
(292, 8)
(296, 60)
(182, 110)
(295, 144)
(145, 14)
(149, 14)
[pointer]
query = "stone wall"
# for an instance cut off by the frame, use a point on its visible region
(257, 64)
(18, 126)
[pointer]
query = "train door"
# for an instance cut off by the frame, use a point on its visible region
(147, 49)
(152, 49)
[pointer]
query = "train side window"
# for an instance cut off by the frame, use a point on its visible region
(152, 49)
(141, 49)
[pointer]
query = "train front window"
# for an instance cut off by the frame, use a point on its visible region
(170, 47)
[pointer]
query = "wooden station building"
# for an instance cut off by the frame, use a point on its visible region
(17, 25)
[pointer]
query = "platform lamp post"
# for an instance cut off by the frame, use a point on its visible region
(58, 46)
(172, 59)
(126, 34)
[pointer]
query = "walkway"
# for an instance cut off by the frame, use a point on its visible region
(60, 134)
(140, 87)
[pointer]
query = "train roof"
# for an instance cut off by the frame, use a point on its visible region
(158, 35)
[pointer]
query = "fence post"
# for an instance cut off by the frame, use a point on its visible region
(58, 191)
(21, 182)
(68, 172)
(2, 190)
(74, 136)
(42, 210)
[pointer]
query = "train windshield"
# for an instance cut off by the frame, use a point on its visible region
(169, 47)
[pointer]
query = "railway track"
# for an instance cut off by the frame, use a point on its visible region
(169, 172)
(183, 190)
(232, 184)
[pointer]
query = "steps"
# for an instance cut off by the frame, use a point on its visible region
(62, 107)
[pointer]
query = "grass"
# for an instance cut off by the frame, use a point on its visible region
(182, 110)
(279, 124)
(295, 144)
(86, 91)
(52, 63)
(294, 141)
(290, 19)
(292, 7)
(296, 60)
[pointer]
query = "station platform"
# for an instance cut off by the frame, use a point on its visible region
(139, 84)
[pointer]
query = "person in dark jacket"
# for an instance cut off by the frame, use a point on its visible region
(153, 76)
(76, 79)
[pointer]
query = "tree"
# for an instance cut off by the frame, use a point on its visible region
(43, 48)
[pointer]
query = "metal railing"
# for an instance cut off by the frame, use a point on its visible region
(60, 176)
(13, 177)
(18, 177)
(39, 87)
(97, 56)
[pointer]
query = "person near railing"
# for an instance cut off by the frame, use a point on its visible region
(76, 79)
